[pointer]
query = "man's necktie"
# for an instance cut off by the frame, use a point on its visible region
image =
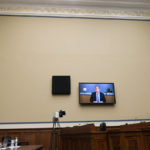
(97, 98)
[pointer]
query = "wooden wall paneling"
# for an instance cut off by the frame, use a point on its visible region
(146, 138)
(114, 141)
(32, 136)
(65, 143)
(12, 133)
(131, 141)
(127, 137)
(43, 138)
(99, 141)
(75, 142)
(85, 142)
(2, 134)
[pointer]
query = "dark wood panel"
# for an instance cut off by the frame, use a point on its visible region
(146, 139)
(114, 141)
(30, 136)
(126, 137)
(132, 141)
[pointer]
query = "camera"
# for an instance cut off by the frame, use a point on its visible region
(54, 133)
(62, 113)
(59, 114)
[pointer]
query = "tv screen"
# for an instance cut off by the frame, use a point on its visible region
(96, 93)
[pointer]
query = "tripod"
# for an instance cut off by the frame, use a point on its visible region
(54, 134)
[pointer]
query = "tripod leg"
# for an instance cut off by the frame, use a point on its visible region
(54, 137)
(52, 140)
(58, 124)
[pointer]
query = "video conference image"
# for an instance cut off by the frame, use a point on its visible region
(96, 93)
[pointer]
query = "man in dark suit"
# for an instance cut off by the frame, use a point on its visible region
(97, 96)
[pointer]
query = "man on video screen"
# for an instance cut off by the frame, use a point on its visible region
(97, 96)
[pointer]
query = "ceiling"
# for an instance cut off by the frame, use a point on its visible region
(106, 8)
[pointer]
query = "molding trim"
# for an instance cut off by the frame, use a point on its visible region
(131, 14)
(25, 125)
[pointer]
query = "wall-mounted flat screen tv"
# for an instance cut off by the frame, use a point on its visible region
(97, 93)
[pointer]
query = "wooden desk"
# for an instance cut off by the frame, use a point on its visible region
(27, 147)
(31, 147)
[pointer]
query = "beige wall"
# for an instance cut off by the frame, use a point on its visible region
(34, 49)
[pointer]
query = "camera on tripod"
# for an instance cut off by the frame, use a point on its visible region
(54, 132)
(58, 115)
